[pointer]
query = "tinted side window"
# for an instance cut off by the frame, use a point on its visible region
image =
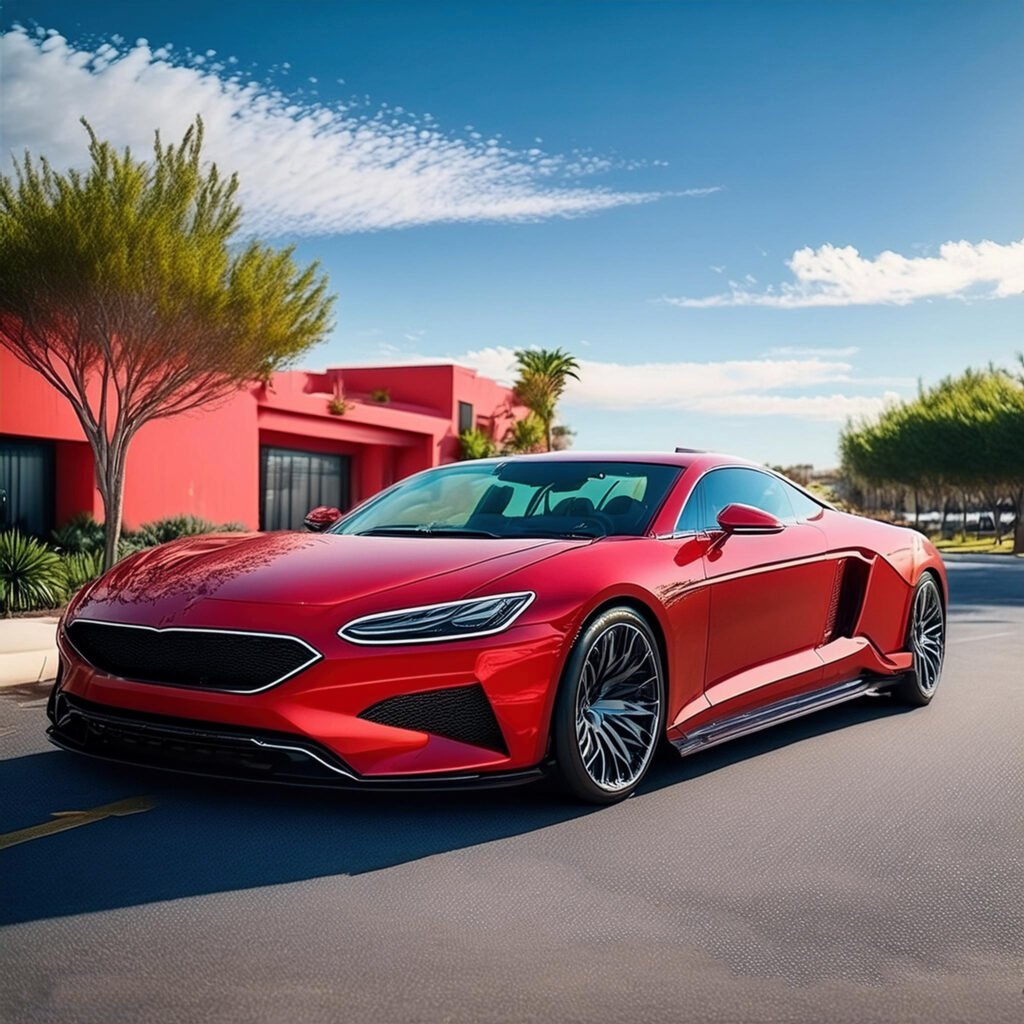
(804, 507)
(746, 487)
(723, 487)
(692, 518)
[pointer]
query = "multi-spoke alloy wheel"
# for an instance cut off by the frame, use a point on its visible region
(610, 709)
(926, 639)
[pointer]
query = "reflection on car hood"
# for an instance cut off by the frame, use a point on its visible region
(305, 568)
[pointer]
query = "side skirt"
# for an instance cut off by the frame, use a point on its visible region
(747, 722)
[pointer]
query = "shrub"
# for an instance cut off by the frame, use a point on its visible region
(80, 568)
(525, 435)
(80, 534)
(160, 531)
(31, 575)
(337, 406)
(380, 395)
(475, 444)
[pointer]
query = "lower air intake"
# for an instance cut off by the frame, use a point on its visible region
(461, 713)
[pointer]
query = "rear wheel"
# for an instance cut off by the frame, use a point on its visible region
(926, 640)
(610, 710)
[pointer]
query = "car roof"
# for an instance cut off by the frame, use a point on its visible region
(683, 458)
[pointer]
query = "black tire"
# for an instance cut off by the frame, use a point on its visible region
(927, 617)
(573, 723)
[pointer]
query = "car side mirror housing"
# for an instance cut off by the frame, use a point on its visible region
(321, 517)
(738, 518)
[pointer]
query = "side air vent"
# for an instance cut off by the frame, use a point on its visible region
(848, 586)
(833, 602)
(461, 713)
(851, 596)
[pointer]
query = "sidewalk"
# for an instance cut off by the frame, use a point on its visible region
(28, 650)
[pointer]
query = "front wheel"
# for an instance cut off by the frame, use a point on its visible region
(926, 640)
(610, 709)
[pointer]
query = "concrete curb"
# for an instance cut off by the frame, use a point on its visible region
(28, 650)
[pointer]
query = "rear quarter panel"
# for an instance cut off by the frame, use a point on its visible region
(898, 556)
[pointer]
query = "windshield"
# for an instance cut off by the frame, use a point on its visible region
(519, 498)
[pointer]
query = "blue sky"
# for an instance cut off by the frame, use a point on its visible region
(629, 181)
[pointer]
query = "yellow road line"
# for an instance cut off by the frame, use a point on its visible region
(63, 820)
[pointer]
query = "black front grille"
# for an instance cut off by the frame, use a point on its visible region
(208, 660)
(460, 713)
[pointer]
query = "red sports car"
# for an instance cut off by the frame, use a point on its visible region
(494, 621)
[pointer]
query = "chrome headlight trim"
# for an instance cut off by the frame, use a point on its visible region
(525, 598)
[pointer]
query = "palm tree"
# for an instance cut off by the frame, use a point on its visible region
(543, 375)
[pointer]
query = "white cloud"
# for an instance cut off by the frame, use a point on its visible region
(840, 276)
(805, 350)
(305, 167)
(822, 408)
(734, 387)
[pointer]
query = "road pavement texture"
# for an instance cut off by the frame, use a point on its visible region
(862, 864)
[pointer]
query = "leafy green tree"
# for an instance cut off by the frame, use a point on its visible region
(964, 434)
(542, 377)
(127, 287)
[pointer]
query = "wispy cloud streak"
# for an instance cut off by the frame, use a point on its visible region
(306, 167)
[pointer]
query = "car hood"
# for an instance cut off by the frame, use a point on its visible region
(301, 569)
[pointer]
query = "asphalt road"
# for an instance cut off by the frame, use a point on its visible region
(863, 864)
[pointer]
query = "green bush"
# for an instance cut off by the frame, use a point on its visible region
(80, 568)
(34, 577)
(81, 534)
(160, 531)
(525, 436)
(476, 444)
(31, 575)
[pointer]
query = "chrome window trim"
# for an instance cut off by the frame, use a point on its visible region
(528, 594)
(737, 465)
(317, 656)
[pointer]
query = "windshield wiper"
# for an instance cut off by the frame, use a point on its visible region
(399, 530)
(567, 534)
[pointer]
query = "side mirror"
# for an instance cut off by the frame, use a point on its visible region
(321, 517)
(738, 518)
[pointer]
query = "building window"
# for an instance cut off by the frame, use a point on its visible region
(26, 486)
(292, 482)
(466, 421)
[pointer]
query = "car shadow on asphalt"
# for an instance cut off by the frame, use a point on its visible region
(206, 836)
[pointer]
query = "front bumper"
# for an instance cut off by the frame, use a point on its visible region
(213, 750)
(337, 715)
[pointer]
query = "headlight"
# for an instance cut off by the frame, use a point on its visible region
(430, 623)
